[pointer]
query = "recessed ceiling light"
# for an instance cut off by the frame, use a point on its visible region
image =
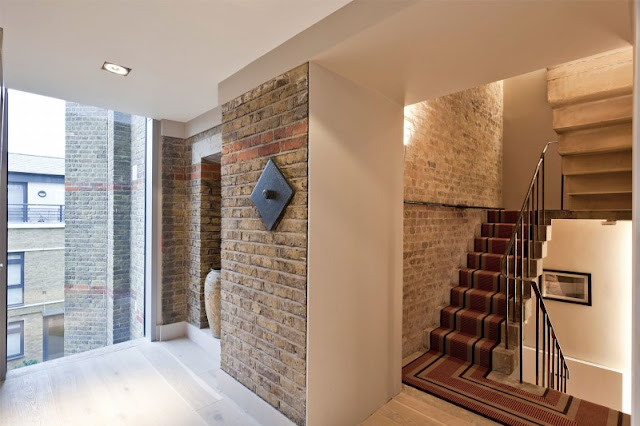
(116, 69)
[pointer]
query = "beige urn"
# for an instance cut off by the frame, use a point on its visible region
(212, 301)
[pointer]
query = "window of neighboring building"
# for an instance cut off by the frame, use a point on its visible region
(53, 337)
(15, 340)
(17, 202)
(15, 279)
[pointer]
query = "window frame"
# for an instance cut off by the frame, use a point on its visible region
(21, 328)
(21, 285)
(25, 199)
(45, 336)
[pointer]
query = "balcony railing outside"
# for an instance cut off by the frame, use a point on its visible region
(35, 213)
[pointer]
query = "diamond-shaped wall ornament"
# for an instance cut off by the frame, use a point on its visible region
(271, 195)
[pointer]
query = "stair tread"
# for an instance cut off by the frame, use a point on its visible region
(603, 192)
(470, 311)
(599, 171)
(452, 334)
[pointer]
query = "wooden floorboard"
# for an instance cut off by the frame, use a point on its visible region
(142, 383)
(413, 407)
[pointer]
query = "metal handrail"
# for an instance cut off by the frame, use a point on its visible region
(31, 213)
(532, 215)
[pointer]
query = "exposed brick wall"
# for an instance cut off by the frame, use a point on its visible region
(176, 155)
(454, 151)
(190, 227)
(264, 274)
(204, 236)
(453, 156)
(436, 240)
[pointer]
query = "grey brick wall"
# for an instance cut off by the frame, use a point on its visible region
(118, 227)
(86, 205)
(104, 234)
(137, 231)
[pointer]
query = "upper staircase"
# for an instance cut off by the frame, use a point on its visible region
(592, 101)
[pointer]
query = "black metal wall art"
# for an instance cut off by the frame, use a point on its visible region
(271, 195)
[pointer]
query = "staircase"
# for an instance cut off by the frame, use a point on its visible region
(592, 102)
(472, 328)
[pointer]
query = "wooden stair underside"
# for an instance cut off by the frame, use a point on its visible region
(592, 101)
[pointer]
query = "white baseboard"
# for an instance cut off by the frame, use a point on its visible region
(171, 331)
(255, 406)
(203, 338)
(248, 401)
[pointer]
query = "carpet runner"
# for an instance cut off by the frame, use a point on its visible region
(466, 385)
(456, 367)
(470, 327)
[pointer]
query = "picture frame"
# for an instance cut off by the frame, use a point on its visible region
(566, 286)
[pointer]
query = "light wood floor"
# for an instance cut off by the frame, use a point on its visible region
(413, 407)
(135, 383)
(165, 383)
(417, 408)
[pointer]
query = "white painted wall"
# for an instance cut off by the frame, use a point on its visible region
(355, 250)
(528, 126)
(597, 338)
(54, 193)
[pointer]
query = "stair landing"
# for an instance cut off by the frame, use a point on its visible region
(469, 386)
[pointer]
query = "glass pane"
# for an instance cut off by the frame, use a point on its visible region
(14, 274)
(76, 177)
(16, 193)
(13, 340)
(14, 296)
(55, 337)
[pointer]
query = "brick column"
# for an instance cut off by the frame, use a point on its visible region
(264, 274)
(118, 227)
(104, 227)
(137, 233)
(85, 234)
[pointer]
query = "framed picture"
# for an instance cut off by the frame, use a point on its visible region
(566, 286)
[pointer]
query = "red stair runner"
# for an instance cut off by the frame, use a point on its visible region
(470, 326)
(466, 385)
(456, 367)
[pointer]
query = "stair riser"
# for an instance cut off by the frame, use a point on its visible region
(491, 262)
(499, 246)
(469, 300)
(503, 230)
(478, 324)
(464, 350)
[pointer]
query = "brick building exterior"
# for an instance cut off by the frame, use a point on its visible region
(104, 234)
(35, 242)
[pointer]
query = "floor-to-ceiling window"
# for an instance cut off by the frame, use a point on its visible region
(75, 228)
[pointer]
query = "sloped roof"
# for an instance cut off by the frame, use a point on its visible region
(24, 163)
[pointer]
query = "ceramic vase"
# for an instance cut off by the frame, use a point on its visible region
(212, 301)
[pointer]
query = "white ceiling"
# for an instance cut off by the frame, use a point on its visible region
(435, 47)
(179, 50)
(409, 50)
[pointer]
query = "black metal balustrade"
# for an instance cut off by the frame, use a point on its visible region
(517, 272)
(35, 213)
